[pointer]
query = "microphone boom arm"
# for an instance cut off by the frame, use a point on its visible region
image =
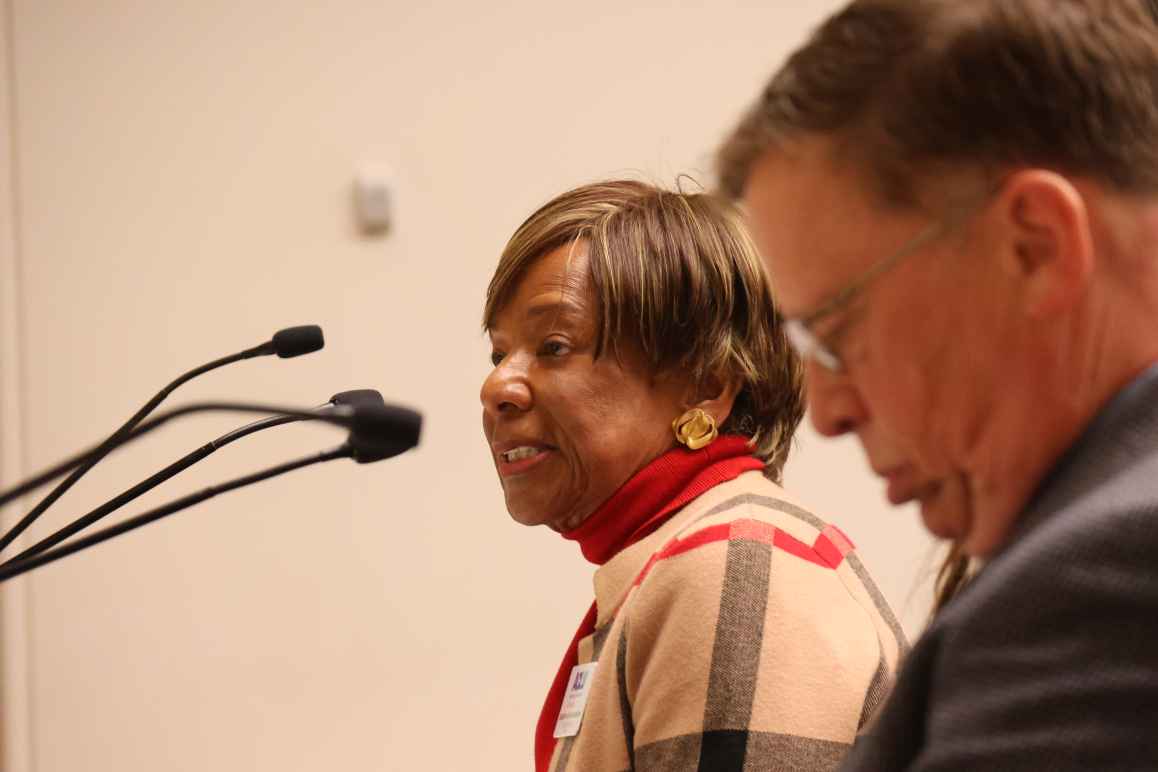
(108, 446)
(148, 484)
(364, 398)
(287, 343)
(14, 569)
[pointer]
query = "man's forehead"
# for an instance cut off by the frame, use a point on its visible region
(807, 181)
(816, 223)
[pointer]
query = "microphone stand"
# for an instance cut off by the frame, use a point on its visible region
(14, 569)
(338, 416)
(148, 484)
(365, 398)
(286, 343)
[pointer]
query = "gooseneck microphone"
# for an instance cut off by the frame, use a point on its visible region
(292, 342)
(287, 343)
(359, 397)
(376, 432)
(377, 429)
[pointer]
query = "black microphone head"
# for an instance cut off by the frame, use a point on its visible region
(295, 341)
(383, 431)
(358, 398)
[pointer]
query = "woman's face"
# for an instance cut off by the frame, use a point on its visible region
(566, 430)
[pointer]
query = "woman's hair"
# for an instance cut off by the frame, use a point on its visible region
(676, 275)
(956, 571)
(908, 88)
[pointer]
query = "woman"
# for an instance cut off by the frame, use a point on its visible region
(642, 404)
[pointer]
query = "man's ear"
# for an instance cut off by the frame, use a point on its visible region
(716, 396)
(1048, 248)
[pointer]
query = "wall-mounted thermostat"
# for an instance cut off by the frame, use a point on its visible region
(373, 201)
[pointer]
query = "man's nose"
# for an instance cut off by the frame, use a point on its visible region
(834, 403)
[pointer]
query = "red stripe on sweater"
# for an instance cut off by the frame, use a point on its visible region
(840, 539)
(832, 546)
(545, 728)
(826, 552)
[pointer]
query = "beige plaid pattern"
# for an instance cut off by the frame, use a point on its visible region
(744, 634)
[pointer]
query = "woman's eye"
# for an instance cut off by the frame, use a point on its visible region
(555, 348)
(496, 357)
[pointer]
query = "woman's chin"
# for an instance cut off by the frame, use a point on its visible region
(558, 522)
(524, 515)
(528, 521)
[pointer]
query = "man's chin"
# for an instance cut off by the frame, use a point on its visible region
(942, 524)
(986, 539)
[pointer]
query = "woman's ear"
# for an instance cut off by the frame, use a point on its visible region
(716, 396)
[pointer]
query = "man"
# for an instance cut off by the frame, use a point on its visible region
(958, 203)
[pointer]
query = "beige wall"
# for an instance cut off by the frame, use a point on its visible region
(183, 190)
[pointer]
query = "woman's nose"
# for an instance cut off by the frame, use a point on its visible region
(834, 403)
(506, 389)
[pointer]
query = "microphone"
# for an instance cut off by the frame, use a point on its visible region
(287, 343)
(356, 397)
(383, 429)
(378, 426)
(295, 341)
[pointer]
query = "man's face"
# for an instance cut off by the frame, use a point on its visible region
(921, 345)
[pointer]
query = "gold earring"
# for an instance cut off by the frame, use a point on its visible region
(695, 428)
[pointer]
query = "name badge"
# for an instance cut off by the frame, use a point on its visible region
(575, 700)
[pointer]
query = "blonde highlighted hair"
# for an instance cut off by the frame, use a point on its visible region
(676, 275)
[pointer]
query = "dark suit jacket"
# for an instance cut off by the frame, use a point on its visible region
(1049, 660)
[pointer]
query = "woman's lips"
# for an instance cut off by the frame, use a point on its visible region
(521, 459)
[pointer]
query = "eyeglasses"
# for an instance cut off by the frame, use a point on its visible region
(800, 331)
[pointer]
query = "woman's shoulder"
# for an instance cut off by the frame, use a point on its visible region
(751, 505)
(749, 514)
(750, 534)
(755, 561)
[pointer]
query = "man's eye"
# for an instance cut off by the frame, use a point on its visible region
(496, 357)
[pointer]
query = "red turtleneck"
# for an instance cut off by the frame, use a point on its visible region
(639, 507)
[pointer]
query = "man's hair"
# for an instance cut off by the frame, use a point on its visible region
(676, 275)
(908, 89)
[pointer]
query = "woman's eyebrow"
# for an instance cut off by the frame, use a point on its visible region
(555, 308)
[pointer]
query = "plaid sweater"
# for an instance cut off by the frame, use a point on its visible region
(743, 634)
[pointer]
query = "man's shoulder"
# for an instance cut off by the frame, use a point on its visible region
(1071, 598)
(1056, 634)
(1100, 541)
